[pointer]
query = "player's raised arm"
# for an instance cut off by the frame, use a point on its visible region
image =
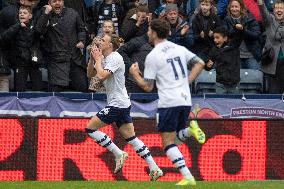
(97, 56)
(146, 84)
(197, 68)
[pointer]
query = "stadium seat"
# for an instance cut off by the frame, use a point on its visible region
(205, 82)
(251, 81)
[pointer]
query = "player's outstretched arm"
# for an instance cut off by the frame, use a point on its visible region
(146, 85)
(197, 68)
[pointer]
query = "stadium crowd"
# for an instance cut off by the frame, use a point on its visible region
(55, 35)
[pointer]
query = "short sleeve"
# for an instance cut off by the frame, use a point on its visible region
(112, 64)
(150, 70)
(189, 56)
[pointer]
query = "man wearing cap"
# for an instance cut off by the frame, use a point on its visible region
(179, 27)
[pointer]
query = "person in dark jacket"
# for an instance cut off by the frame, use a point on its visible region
(26, 52)
(134, 51)
(225, 58)
(77, 5)
(5, 71)
(238, 22)
(203, 25)
(9, 17)
(84, 13)
(179, 27)
(64, 37)
(9, 14)
(136, 24)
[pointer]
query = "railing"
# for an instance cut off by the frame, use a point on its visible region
(134, 96)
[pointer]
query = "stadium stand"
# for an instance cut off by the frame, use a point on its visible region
(205, 82)
(251, 81)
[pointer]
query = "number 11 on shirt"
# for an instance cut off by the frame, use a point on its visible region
(174, 61)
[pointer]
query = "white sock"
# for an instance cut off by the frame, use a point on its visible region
(183, 134)
(103, 140)
(176, 157)
(142, 151)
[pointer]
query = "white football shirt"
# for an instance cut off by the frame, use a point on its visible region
(167, 64)
(115, 85)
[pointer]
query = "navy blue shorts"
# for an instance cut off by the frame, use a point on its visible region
(111, 114)
(172, 119)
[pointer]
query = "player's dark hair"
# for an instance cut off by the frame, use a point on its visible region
(161, 27)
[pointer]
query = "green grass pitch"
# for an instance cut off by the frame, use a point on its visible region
(140, 185)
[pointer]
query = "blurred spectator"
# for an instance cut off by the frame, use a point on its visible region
(2, 4)
(190, 6)
(203, 25)
(195, 4)
(225, 58)
(130, 4)
(135, 24)
(9, 17)
(274, 28)
(108, 10)
(240, 22)
(64, 37)
(161, 10)
(250, 5)
(9, 14)
(5, 71)
(179, 27)
(27, 56)
(269, 4)
(222, 8)
(134, 51)
(108, 28)
(77, 5)
(153, 5)
(80, 7)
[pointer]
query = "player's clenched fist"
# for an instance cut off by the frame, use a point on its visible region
(134, 69)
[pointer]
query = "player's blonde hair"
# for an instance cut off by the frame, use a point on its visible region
(115, 40)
